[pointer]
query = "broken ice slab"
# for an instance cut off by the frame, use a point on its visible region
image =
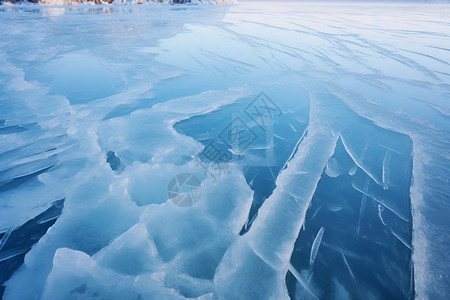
(75, 274)
(372, 231)
(265, 157)
(15, 243)
(269, 243)
(132, 253)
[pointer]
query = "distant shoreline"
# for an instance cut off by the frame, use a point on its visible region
(107, 2)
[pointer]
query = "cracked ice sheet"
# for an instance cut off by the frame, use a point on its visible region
(360, 53)
(94, 224)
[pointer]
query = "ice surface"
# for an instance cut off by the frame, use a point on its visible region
(337, 189)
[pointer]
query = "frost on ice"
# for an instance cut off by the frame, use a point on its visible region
(321, 150)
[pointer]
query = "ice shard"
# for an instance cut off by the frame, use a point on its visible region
(316, 245)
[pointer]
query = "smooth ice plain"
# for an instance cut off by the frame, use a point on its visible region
(312, 141)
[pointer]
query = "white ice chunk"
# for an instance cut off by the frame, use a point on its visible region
(75, 275)
(132, 253)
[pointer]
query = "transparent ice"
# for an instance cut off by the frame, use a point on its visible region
(337, 186)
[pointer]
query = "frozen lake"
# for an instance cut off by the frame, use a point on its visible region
(251, 151)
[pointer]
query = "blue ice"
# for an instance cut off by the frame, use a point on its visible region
(318, 136)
